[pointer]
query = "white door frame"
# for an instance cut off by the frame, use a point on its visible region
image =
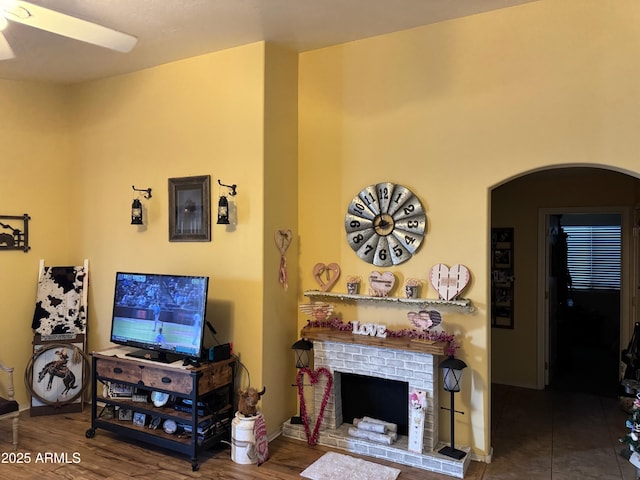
(627, 313)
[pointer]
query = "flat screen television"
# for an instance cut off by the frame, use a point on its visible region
(163, 316)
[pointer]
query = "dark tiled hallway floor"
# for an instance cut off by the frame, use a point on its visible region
(547, 435)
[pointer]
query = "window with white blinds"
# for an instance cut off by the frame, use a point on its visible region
(594, 256)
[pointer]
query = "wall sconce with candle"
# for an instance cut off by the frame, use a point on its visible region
(136, 206)
(223, 204)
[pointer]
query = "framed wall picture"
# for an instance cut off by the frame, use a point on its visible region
(125, 414)
(59, 372)
(190, 209)
(502, 278)
(139, 419)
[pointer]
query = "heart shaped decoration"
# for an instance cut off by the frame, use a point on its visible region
(314, 377)
(425, 319)
(326, 275)
(449, 282)
(283, 240)
(381, 283)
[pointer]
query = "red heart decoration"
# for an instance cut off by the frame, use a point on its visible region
(314, 377)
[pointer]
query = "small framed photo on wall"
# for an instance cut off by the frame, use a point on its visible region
(502, 278)
(190, 209)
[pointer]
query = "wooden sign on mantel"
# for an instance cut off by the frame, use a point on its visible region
(392, 343)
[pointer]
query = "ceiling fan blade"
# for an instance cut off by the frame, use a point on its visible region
(68, 26)
(5, 49)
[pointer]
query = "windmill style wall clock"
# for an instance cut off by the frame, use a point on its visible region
(385, 224)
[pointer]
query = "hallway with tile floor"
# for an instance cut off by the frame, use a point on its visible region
(552, 435)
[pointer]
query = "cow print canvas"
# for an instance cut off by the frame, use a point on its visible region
(59, 305)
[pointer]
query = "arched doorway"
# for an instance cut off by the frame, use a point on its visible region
(521, 355)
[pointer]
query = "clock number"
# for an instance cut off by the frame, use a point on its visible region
(382, 254)
(397, 199)
(354, 224)
(359, 207)
(397, 250)
(367, 249)
(357, 238)
(409, 240)
(383, 193)
(408, 209)
(412, 224)
(369, 198)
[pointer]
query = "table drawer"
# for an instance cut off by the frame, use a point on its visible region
(118, 370)
(145, 375)
(179, 381)
(215, 375)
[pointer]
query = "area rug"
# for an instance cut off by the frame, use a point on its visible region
(335, 466)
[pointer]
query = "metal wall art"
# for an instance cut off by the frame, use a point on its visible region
(12, 237)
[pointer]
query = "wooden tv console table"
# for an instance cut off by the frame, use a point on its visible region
(126, 391)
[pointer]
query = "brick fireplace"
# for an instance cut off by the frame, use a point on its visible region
(390, 359)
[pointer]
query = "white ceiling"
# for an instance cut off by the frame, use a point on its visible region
(170, 30)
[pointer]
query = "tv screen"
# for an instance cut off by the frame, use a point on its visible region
(162, 315)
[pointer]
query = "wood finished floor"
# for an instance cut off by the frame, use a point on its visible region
(537, 435)
(109, 457)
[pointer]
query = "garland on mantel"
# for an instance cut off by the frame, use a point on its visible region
(414, 334)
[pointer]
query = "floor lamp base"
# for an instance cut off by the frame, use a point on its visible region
(452, 452)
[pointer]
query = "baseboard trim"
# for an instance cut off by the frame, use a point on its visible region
(272, 436)
(482, 458)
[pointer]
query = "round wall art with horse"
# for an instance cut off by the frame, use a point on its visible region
(55, 374)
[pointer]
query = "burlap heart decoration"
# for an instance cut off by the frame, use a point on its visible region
(283, 240)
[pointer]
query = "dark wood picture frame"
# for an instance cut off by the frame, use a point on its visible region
(502, 278)
(190, 209)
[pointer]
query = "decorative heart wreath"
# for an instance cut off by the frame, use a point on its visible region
(314, 376)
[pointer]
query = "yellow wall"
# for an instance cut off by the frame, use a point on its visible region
(36, 177)
(451, 110)
(74, 153)
(280, 213)
(202, 116)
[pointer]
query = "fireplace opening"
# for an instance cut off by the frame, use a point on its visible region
(374, 397)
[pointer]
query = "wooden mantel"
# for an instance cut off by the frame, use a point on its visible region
(395, 343)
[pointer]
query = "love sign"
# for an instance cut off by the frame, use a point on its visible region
(370, 329)
(449, 282)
